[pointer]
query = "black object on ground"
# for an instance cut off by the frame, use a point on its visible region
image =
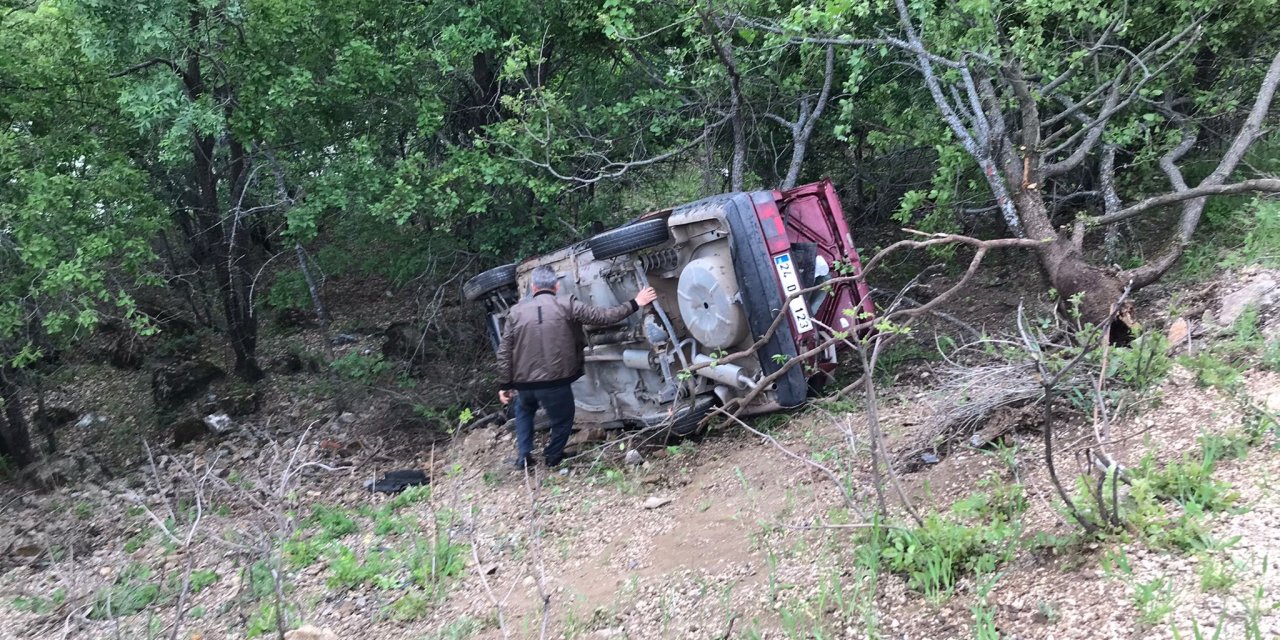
(398, 480)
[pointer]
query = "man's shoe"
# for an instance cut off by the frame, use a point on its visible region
(521, 462)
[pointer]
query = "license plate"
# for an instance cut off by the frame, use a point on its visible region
(791, 284)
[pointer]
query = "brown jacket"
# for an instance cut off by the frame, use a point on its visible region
(542, 342)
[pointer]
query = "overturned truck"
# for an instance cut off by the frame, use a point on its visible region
(723, 268)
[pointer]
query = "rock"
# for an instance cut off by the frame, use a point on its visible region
(188, 430)
(406, 341)
(218, 423)
(654, 502)
(51, 418)
(588, 435)
(127, 350)
(291, 363)
(344, 339)
(52, 473)
(1261, 292)
(310, 632)
(177, 382)
(1178, 332)
(91, 420)
(634, 458)
(233, 400)
(347, 418)
(295, 319)
(1272, 402)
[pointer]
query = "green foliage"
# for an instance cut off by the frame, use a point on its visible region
(1154, 600)
(1216, 575)
(289, 291)
(361, 368)
(934, 556)
(1188, 484)
(1144, 363)
(41, 605)
(348, 571)
(461, 628)
(1212, 371)
(333, 522)
(265, 620)
(131, 592)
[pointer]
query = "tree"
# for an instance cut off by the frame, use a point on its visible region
(1043, 99)
(75, 214)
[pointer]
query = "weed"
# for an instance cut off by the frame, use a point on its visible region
(1197, 634)
(83, 510)
(460, 629)
(934, 555)
(348, 572)
(1143, 364)
(1154, 600)
(333, 522)
(619, 478)
(1189, 483)
(1228, 446)
(264, 620)
(1212, 371)
(684, 449)
(1216, 575)
(1048, 611)
(984, 616)
(200, 580)
(357, 367)
(1116, 563)
(40, 605)
(411, 495)
(261, 581)
(413, 605)
(300, 552)
(130, 593)
(138, 540)
(1271, 355)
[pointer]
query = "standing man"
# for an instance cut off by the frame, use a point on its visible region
(541, 355)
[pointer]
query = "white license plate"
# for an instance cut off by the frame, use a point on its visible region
(791, 284)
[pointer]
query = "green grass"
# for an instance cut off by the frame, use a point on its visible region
(131, 592)
(41, 605)
(1154, 600)
(1216, 576)
(460, 629)
(979, 535)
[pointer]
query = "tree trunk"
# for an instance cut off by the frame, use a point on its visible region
(15, 437)
(215, 247)
(1069, 274)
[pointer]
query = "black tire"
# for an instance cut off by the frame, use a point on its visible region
(633, 237)
(688, 419)
(487, 282)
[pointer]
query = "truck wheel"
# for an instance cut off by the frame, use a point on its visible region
(633, 237)
(489, 281)
(687, 419)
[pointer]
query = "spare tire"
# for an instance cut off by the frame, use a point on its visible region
(633, 237)
(489, 281)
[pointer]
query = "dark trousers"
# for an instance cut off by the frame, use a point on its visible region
(558, 403)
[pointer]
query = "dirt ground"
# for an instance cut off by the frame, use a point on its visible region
(725, 536)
